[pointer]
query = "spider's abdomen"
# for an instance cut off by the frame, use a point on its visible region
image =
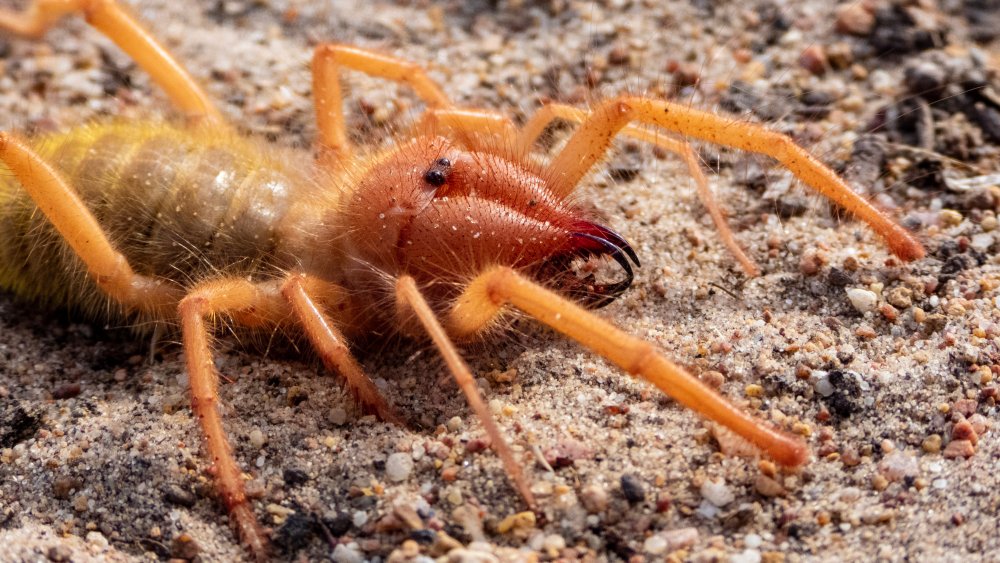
(180, 204)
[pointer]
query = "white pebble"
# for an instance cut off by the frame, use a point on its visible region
(862, 299)
(823, 386)
(454, 424)
(748, 556)
(681, 538)
(717, 493)
(344, 554)
(257, 438)
(982, 242)
(939, 483)
(97, 539)
(360, 518)
(655, 545)
(398, 467)
(753, 541)
(554, 542)
(898, 465)
(707, 510)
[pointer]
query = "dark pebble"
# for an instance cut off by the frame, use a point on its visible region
(632, 488)
(339, 525)
(925, 79)
(66, 391)
(174, 494)
(293, 476)
(846, 397)
(59, 554)
(423, 537)
(63, 487)
(364, 501)
(296, 533)
(839, 278)
(16, 424)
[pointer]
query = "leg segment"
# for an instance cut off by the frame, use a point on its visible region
(594, 136)
(487, 294)
(70, 216)
(546, 114)
(121, 27)
(206, 301)
(327, 61)
(478, 130)
(408, 298)
(259, 305)
(299, 290)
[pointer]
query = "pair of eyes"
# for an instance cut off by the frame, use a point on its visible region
(437, 174)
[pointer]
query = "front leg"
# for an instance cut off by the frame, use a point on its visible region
(484, 298)
(594, 136)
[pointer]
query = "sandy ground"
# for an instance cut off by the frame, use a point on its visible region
(100, 458)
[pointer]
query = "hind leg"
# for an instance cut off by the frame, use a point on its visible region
(121, 27)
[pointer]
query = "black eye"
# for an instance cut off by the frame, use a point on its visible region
(437, 175)
(435, 178)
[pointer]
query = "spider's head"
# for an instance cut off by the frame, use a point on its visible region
(442, 213)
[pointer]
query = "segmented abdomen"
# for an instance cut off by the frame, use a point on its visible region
(180, 204)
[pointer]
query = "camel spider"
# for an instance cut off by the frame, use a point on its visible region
(450, 227)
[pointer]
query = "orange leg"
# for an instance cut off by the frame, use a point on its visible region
(594, 136)
(478, 130)
(484, 298)
(265, 304)
(328, 98)
(66, 211)
(546, 114)
(300, 291)
(122, 28)
(408, 298)
(230, 296)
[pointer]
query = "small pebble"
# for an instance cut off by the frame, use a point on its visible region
(746, 556)
(655, 545)
(257, 438)
(854, 18)
(398, 467)
(717, 493)
(949, 217)
(632, 488)
(680, 538)
(594, 498)
(554, 543)
(982, 241)
(338, 416)
(862, 299)
(520, 521)
(898, 465)
(767, 486)
(454, 424)
(346, 554)
(813, 58)
(97, 539)
(901, 297)
(931, 444)
(959, 448)
(964, 431)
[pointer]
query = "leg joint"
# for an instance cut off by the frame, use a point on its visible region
(642, 356)
(194, 304)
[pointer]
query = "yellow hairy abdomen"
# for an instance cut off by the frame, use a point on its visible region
(179, 203)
